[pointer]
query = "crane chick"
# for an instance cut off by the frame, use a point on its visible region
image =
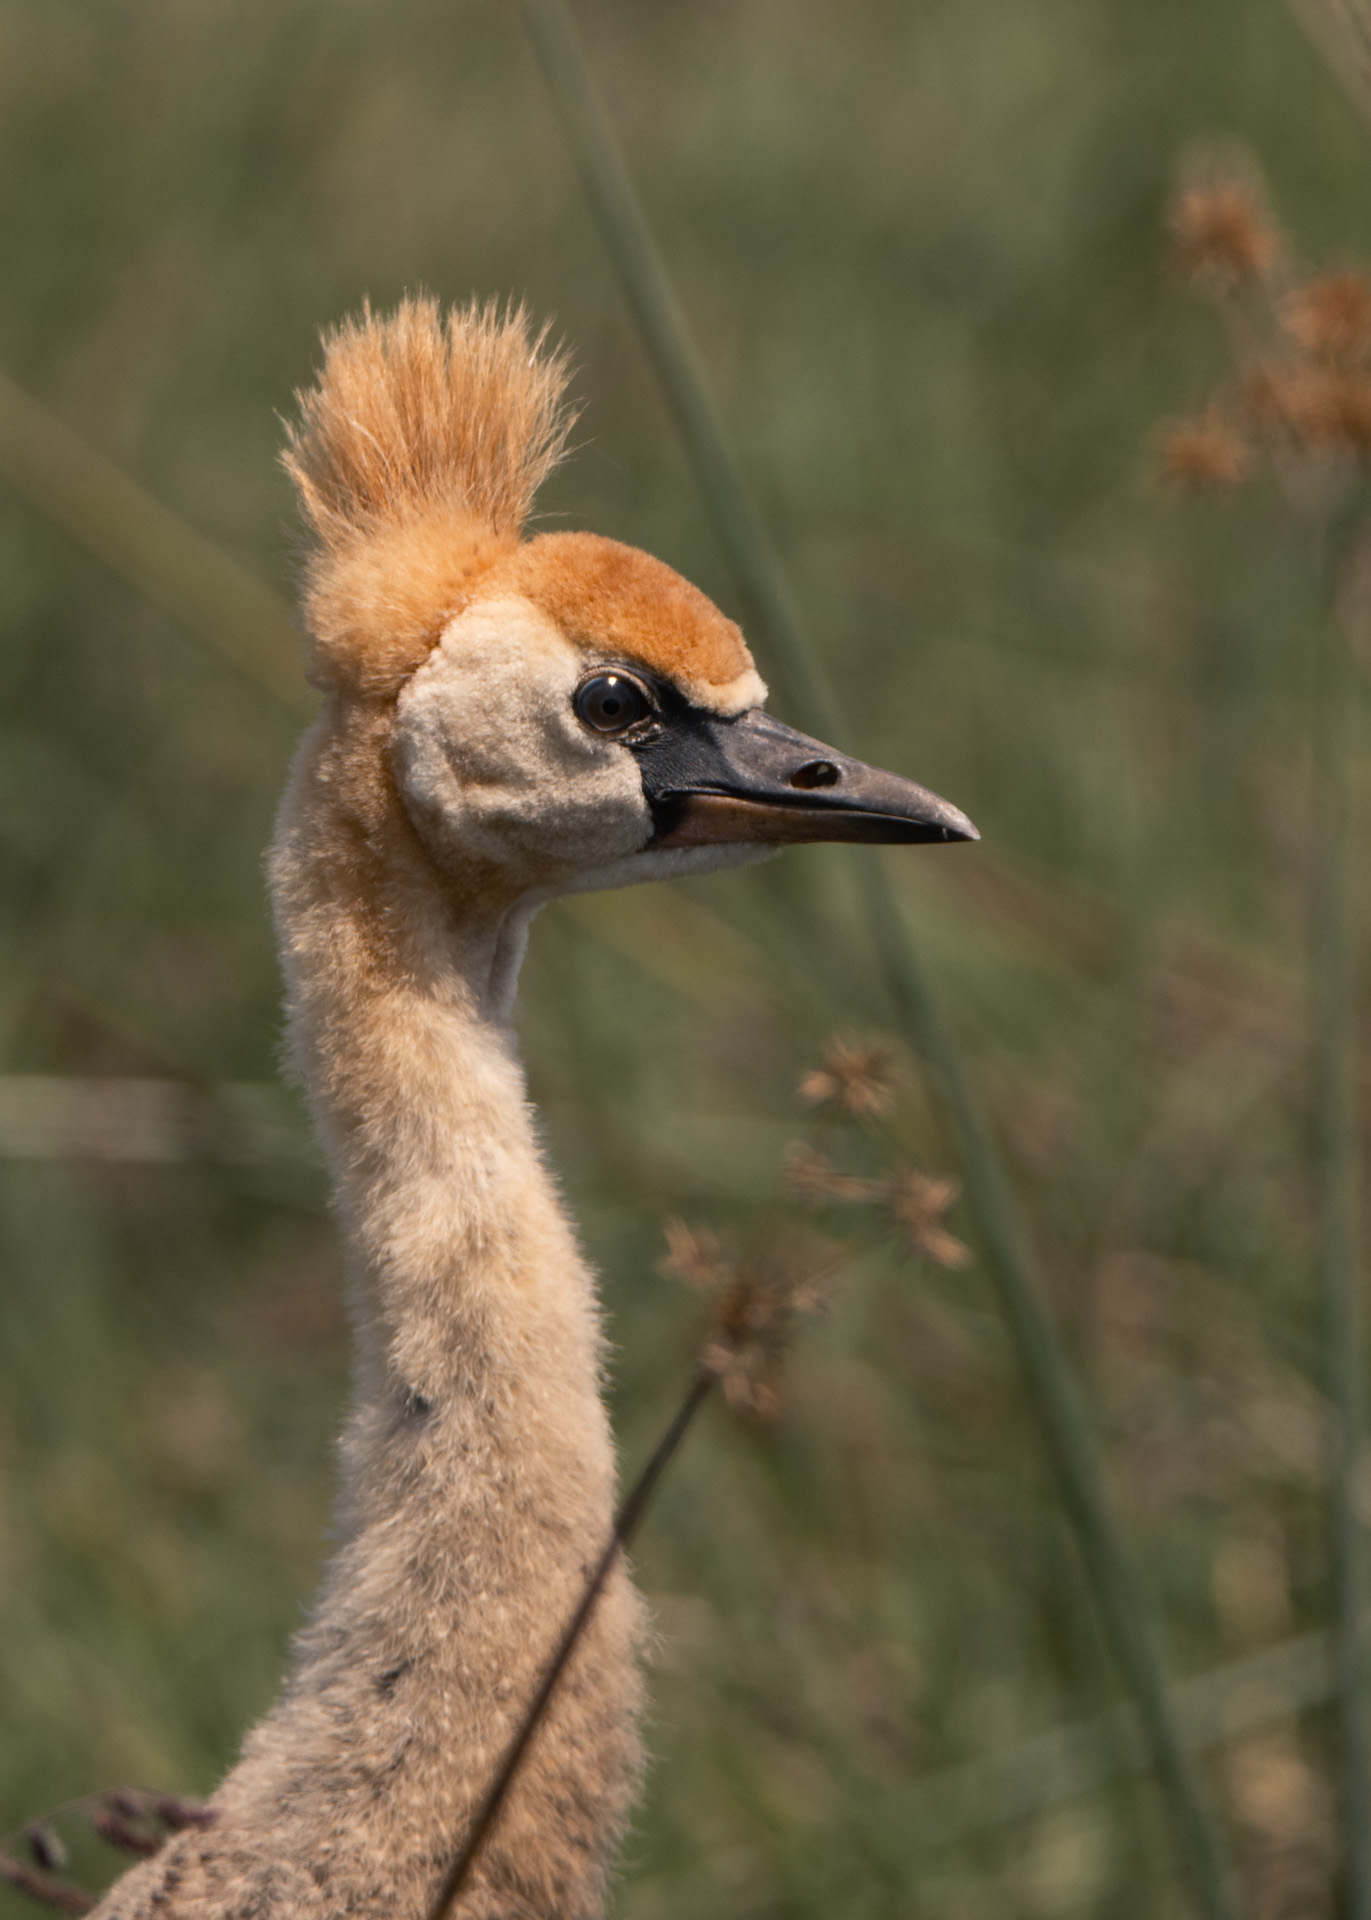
(504, 720)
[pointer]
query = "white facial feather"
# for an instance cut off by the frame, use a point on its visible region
(494, 764)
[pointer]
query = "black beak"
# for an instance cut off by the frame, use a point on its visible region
(753, 779)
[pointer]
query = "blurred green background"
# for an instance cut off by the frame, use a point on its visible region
(922, 249)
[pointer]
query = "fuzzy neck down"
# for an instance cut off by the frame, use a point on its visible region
(478, 1475)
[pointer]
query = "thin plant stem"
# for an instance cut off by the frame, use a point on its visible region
(625, 1526)
(1071, 1447)
(1056, 1397)
(1336, 1155)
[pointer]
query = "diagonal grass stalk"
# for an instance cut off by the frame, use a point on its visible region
(1336, 1155)
(761, 578)
(149, 546)
(1340, 31)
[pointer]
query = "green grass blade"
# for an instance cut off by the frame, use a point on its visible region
(1071, 1446)
(1336, 1149)
(149, 546)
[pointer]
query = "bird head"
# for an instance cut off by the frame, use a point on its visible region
(591, 719)
(568, 712)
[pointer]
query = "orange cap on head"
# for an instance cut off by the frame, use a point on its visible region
(619, 602)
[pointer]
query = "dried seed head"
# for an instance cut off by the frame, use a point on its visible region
(1346, 418)
(1203, 452)
(45, 1846)
(749, 1380)
(856, 1079)
(176, 1812)
(1313, 410)
(43, 1888)
(120, 1832)
(130, 1803)
(1282, 401)
(753, 1310)
(747, 1365)
(1222, 233)
(1330, 319)
(918, 1202)
(695, 1255)
(811, 1176)
(750, 1328)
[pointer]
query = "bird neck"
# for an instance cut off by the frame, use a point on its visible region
(399, 984)
(478, 1471)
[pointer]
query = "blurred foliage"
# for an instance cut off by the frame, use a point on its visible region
(922, 248)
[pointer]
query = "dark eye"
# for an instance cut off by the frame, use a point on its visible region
(611, 702)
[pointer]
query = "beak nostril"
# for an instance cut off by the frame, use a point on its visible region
(815, 773)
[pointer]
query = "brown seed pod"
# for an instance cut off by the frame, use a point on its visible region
(1204, 452)
(1222, 233)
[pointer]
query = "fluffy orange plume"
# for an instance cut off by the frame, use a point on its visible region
(411, 411)
(417, 456)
